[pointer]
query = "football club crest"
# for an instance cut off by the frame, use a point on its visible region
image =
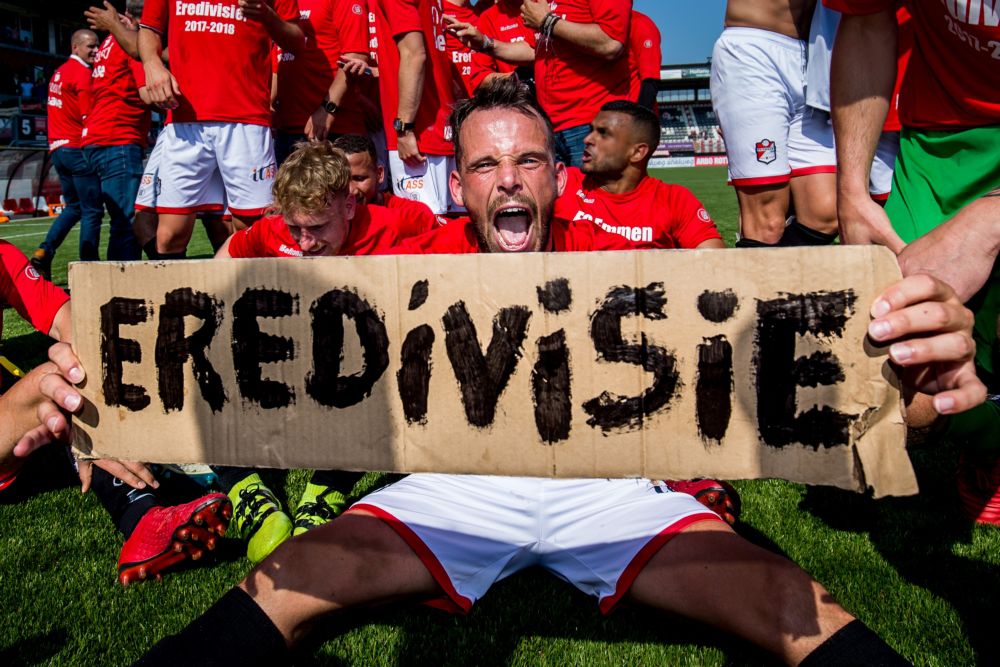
(767, 151)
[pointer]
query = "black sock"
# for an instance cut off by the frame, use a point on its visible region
(125, 504)
(342, 480)
(234, 631)
(150, 250)
(172, 255)
(230, 476)
(744, 242)
(854, 644)
(797, 234)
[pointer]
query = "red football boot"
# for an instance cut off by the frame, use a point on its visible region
(716, 495)
(979, 489)
(166, 536)
(8, 472)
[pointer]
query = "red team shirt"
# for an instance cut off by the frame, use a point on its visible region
(117, 113)
(393, 18)
(221, 59)
(572, 84)
(458, 237)
(503, 23)
(653, 215)
(69, 103)
(332, 28)
(414, 217)
(643, 52)
(34, 298)
(374, 230)
(953, 77)
(460, 54)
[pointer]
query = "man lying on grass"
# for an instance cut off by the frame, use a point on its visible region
(448, 538)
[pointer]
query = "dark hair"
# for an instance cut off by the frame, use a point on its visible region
(352, 144)
(500, 93)
(641, 116)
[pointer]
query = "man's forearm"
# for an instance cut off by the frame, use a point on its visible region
(412, 61)
(149, 46)
(286, 34)
(515, 53)
(127, 38)
(590, 38)
(340, 83)
(862, 76)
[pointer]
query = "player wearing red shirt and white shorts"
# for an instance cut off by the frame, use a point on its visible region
(308, 103)
(421, 155)
(220, 131)
(643, 60)
(460, 54)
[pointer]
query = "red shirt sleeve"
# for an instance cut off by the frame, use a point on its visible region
(691, 224)
(155, 15)
(249, 242)
(138, 72)
(403, 16)
(287, 10)
(860, 7)
(413, 218)
(33, 297)
(613, 16)
(646, 41)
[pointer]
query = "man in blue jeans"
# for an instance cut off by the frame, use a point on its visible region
(68, 105)
(116, 130)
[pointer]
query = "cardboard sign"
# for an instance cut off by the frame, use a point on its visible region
(665, 364)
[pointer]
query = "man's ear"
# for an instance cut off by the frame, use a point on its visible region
(455, 185)
(561, 178)
(639, 153)
(350, 206)
(380, 174)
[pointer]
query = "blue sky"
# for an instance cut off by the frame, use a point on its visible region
(688, 28)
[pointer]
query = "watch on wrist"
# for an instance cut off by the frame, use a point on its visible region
(401, 127)
(329, 107)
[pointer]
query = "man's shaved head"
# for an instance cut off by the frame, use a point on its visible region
(84, 45)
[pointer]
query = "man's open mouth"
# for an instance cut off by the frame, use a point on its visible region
(512, 225)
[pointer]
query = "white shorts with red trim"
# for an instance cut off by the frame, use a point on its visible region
(880, 179)
(206, 164)
(149, 184)
(758, 92)
(426, 182)
(471, 531)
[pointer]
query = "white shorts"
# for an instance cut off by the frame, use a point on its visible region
(427, 183)
(149, 185)
(471, 531)
(758, 92)
(880, 179)
(204, 165)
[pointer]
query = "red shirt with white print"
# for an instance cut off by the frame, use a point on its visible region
(643, 52)
(953, 76)
(69, 103)
(220, 58)
(460, 54)
(653, 215)
(458, 237)
(373, 230)
(503, 23)
(573, 84)
(394, 18)
(332, 28)
(117, 114)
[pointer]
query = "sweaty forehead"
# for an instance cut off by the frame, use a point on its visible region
(498, 132)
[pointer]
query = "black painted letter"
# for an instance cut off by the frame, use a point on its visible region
(414, 374)
(173, 349)
(483, 378)
(550, 388)
(324, 383)
(779, 372)
(714, 387)
(116, 351)
(251, 348)
(611, 411)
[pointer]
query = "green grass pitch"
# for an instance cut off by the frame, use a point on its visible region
(913, 569)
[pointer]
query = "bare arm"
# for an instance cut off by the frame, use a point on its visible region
(711, 244)
(109, 20)
(160, 83)
(318, 125)
(286, 34)
(412, 61)
(62, 324)
(862, 75)
(588, 37)
(515, 53)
